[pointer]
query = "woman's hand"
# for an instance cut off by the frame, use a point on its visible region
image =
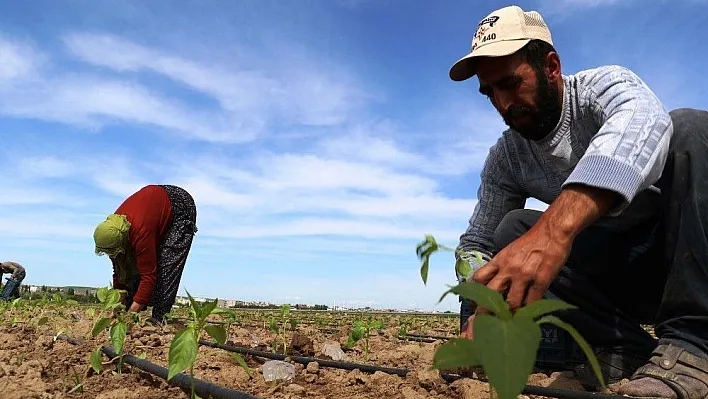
(136, 307)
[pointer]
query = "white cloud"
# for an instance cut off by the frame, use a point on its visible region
(17, 60)
(286, 195)
(253, 86)
(249, 97)
(93, 103)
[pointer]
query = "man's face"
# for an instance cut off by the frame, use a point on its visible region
(524, 97)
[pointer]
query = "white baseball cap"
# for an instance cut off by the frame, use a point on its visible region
(503, 32)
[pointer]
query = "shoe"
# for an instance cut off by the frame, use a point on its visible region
(615, 365)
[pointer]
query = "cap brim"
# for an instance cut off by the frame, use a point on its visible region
(466, 67)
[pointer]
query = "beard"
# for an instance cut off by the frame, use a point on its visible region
(541, 120)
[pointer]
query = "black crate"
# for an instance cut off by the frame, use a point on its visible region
(558, 350)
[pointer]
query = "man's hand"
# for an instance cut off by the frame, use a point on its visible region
(525, 268)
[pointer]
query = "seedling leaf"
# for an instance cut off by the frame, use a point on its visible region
(207, 308)
(507, 350)
(118, 332)
(183, 352)
(100, 326)
(196, 308)
(273, 325)
(424, 250)
(113, 297)
(581, 342)
(239, 359)
(483, 296)
(216, 332)
(42, 321)
(462, 266)
(101, 294)
(96, 360)
(542, 307)
(456, 352)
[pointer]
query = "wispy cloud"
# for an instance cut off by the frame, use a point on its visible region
(257, 91)
(18, 60)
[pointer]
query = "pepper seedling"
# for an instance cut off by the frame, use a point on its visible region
(184, 346)
(118, 325)
(279, 326)
(362, 329)
(505, 345)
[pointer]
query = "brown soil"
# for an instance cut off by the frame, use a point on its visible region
(34, 365)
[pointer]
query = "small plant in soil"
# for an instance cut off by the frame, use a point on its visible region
(403, 329)
(229, 316)
(505, 345)
(184, 346)
(279, 326)
(117, 324)
(362, 330)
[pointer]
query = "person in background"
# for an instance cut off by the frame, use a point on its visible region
(625, 236)
(17, 274)
(148, 239)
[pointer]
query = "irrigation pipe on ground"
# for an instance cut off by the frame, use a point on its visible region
(436, 337)
(306, 359)
(202, 388)
(528, 389)
(416, 339)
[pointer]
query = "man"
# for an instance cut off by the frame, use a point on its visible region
(624, 237)
(148, 239)
(17, 274)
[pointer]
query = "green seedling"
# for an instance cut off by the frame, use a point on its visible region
(117, 325)
(505, 345)
(184, 346)
(362, 329)
(279, 326)
(229, 317)
(403, 329)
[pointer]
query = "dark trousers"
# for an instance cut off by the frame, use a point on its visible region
(653, 271)
(11, 288)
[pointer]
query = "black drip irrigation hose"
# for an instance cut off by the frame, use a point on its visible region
(202, 388)
(306, 359)
(416, 339)
(528, 389)
(435, 337)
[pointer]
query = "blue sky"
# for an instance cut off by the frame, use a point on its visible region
(320, 139)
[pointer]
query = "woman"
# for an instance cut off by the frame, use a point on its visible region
(148, 239)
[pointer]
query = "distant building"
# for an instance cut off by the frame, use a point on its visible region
(226, 303)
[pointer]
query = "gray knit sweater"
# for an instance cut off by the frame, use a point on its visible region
(613, 133)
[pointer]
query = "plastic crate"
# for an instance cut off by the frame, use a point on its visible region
(557, 350)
